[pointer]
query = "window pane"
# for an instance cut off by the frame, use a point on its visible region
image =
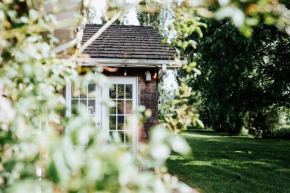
(83, 92)
(83, 96)
(113, 109)
(116, 133)
(112, 92)
(120, 106)
(128, 107)
(83, 103)
(122, 135)
(121, 121)
(74, 104)
(92, 106)
(74, 93)
(120, 91)
(112, 133)
(112, 123)
(129, 92)
(91, 89)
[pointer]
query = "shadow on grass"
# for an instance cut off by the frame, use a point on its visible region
(221, 163)
(207, 132)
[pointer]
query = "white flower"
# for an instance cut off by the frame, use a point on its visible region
(159, 134)
(180, 145)
(160, 152)
(7, 113)
(288, 30)
(224, 2)
(196, 3)
(238, 18)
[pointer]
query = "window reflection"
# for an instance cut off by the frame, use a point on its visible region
(121, 107)
(121, 121)
(128, 107)
(91, 107)
(112, 91)
(112, 124)
(129, 91)
(120, 91)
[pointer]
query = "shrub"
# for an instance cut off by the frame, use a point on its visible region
(281, 133)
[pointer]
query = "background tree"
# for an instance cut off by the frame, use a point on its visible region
(244, 81)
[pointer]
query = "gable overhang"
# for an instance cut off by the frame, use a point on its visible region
(91, 62)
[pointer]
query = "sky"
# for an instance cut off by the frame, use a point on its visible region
(100, 7)
(169, 81)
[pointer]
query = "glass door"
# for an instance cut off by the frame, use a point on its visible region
(124, 94)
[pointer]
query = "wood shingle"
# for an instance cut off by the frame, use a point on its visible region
(127, 42)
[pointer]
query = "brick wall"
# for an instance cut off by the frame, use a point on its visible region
(148, 95)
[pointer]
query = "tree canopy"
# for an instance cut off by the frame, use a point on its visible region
(242, 78)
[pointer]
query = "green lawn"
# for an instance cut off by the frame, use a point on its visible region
(221, 163)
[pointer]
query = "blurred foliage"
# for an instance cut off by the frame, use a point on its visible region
(175, 110)
(44, 151)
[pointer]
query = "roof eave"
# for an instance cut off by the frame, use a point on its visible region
(114, 62)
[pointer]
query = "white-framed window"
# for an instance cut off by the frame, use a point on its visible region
(124, 92)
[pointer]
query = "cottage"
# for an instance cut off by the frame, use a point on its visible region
(141, 58)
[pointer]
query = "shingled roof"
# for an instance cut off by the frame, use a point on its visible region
(127, 42)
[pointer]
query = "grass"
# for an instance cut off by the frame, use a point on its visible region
(222, 163)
